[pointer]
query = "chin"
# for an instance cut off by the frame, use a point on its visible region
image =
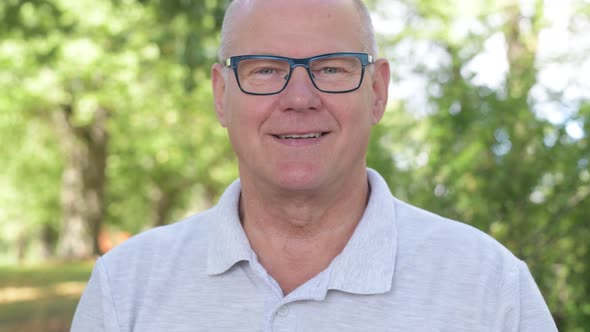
(299, 178)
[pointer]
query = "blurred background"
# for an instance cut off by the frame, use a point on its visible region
(107, 129)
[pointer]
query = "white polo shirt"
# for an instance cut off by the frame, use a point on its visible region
(404, 269)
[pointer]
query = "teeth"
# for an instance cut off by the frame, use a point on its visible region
(313, 135)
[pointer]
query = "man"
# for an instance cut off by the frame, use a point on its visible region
(308, 239)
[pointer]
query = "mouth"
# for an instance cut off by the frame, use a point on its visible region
(301, 136)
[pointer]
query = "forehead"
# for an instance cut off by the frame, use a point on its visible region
(295, 28)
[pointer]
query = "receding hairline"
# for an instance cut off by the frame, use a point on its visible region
(367, 32)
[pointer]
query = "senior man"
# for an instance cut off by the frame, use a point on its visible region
(308, 239)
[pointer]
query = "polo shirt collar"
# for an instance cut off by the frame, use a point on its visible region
(366, 264)
(228, 243)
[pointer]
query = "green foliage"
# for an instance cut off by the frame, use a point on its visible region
(146, 63)
(483, 155)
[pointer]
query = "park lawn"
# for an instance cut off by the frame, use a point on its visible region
(41, 298)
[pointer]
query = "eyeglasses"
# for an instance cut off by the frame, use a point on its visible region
(267, 74)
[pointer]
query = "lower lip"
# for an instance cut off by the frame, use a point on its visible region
(299, 142)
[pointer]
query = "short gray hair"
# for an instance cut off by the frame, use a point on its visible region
(366, 28)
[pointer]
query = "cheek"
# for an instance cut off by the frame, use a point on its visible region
(247, 113)
(357, 121)
(355, 112)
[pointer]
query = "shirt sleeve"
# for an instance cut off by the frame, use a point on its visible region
(96, 311)
(523, 308)
(534, 313)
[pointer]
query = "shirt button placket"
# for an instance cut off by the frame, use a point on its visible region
(283, 311)
(282, 322)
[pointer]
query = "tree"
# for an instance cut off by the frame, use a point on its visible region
(481, 152)
(104, 78)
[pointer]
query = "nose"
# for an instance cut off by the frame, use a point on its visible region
(300, 93)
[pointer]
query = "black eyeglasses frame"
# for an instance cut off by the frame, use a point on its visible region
(233, 61)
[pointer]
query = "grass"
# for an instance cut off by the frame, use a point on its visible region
(41, 298)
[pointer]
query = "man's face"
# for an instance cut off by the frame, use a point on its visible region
(259, 127)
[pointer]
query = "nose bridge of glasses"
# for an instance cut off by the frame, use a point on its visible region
(304, 63)
(301, 63)
(294, 63)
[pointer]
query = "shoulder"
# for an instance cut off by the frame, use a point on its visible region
(453, 269)
(182, 246)
(421, 227)
(446, 244)
(143, 270)
(161, 246)
(433, 243)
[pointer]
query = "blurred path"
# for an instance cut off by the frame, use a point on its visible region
(63, 289)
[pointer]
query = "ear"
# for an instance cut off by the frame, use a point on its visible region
(218, 85)
(380, 89)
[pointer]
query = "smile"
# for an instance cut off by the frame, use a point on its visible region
(302, 136)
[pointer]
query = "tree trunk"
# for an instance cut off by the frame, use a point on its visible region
(83, 183)
(162, 204)
(166, 197)
(48, 240)
(22, 245)
(522, 50)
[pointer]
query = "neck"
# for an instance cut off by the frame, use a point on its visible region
(297, 235)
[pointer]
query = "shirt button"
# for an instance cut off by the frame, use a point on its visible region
(283, 311)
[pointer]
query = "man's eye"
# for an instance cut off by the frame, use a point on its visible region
(331, 70)
(265, 71)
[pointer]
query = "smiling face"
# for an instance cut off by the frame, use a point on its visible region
(301, 138)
